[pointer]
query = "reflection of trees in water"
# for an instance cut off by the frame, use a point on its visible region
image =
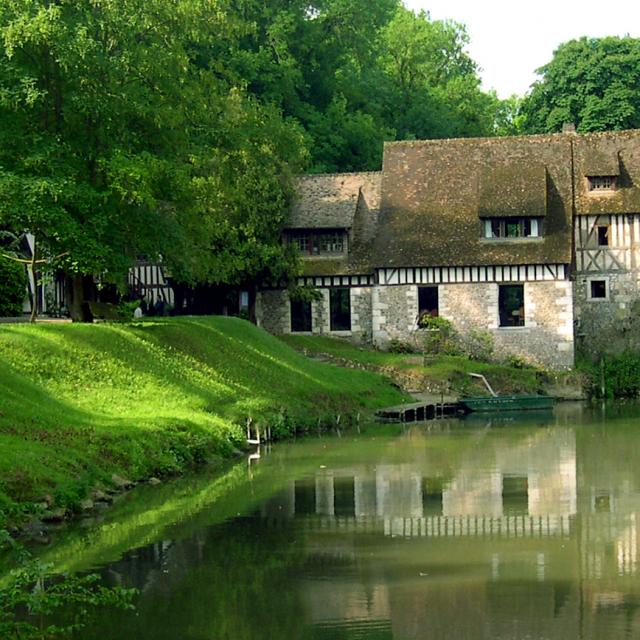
(227, 582)
(386, 541)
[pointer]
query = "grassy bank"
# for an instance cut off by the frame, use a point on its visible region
(442, 373)
(80, 402)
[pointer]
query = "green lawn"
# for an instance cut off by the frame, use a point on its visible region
(79, 402)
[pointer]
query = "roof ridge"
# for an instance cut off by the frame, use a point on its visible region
(337, 173)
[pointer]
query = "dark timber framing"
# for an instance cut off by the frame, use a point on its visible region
(449, 275)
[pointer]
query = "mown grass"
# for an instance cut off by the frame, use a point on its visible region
(450, 373)
(79, 402)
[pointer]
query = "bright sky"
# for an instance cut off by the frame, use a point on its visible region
(511, 39)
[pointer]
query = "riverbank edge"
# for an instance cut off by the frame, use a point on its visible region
(284, 420)
(419, 381)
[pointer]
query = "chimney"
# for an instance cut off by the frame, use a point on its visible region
(568, 127)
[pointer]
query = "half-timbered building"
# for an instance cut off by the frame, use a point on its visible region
(475, 230)
(606, 235)
(333, 224)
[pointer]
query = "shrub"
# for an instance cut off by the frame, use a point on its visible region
(30, 595)
(477, 344)
(440, 336)
(620, 376)
(13, 287)
(516, 361)
(398, 346)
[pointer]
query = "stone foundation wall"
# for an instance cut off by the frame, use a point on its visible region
(273, 311)
(608, 325)
(546, 338)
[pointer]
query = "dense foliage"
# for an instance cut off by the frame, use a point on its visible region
(592, 82)
(355, 73)
(613, 376)
(118, 138)
(13, 287)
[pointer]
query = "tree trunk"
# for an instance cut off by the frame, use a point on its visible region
(78, 304)
(252, 305)
(34, 275)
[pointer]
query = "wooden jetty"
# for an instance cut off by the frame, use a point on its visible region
(419, 411)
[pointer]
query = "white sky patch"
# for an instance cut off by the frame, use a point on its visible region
(510, 40)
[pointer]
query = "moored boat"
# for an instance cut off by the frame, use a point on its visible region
(495, 402)
(507, 403)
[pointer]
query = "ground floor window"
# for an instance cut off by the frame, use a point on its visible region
(300, 315)
(428, 302)
(340, 309)
(511, 305)
(598, 289)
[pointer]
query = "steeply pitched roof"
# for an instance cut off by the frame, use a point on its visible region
(325, 201)
(614, 153)
(346, 201)
(512, 188)
(434, 192)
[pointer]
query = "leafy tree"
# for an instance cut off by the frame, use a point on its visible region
(109, 120)
(354, 73)
(431, 85)
(13, 287)
(508, 118)
(592, 82)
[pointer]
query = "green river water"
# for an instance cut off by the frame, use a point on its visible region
(518, 528)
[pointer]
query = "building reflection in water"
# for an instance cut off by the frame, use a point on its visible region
(529, 550)
(500, 533)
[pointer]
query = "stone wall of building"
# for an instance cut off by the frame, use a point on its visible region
(273, 311)
(611, 324)
(546, 338)
(361, 314)
(394, 312)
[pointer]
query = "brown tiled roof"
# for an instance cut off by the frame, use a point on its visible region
(349, 201)
(512, 188)
(615, 153)
(325, 201)
(434, 191)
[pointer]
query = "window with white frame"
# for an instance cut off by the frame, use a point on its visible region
(597, 289)
(512, 227)
(318, 243)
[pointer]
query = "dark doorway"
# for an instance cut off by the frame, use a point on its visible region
(515, 495)
(340, 309)
(432, 496)
(300, 315)
(305, 496)
(344, 497)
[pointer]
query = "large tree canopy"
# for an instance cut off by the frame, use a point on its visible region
(172, 128)
(117, 139)
(592, 82)
(357, 72)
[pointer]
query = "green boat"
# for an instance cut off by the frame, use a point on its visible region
(507, 403)
(495, 402)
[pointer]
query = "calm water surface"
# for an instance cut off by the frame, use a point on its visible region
(506, 530)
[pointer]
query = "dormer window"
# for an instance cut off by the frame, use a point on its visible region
(319, 243)
(598, 184)
(511, 228)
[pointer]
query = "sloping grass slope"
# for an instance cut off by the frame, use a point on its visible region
(450, 373)
(79, 402)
